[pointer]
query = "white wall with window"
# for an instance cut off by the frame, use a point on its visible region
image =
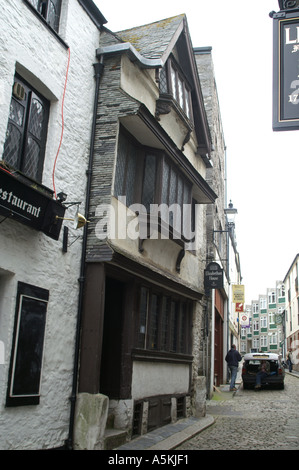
(47, 92)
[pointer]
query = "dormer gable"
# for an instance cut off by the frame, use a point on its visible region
(166, 46)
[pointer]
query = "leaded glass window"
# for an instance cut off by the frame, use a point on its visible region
(173, 82)
(26, 132)
(49, 10)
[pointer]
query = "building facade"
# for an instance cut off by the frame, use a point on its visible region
(221, 325)
(292, 312)
(47, 97)
(264, 331)
(144, 306)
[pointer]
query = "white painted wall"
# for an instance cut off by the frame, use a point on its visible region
(28, 47)
(151, 379)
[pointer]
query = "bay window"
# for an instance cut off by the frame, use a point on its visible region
(174, 83)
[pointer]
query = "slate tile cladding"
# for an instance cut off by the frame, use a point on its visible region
(112, 105)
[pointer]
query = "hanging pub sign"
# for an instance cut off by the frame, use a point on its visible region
(286, 70)
(238, 293)
(213, 276)
(29, 205)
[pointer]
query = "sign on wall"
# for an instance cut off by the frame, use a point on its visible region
(29, 206)
(285, 71)
(238, 293)
(213, 276)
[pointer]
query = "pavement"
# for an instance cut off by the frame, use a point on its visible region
(172, 435)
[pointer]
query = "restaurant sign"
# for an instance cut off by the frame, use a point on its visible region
(286, 71)
(213, 276)
(29, 205)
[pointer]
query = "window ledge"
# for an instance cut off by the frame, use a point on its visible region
(160, 356)
(149, 223)
(165, 103)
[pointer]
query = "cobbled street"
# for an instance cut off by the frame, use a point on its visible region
(252, 420)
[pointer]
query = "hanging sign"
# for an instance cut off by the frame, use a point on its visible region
(238, 293)
(213, 276)
(244, 320)
(239, 307)
(29, 206)
(285, 71)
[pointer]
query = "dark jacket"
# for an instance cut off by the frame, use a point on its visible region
(233, 357)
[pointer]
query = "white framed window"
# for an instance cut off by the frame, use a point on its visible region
(263, 341)
(272, 297)
(273, 338)
(263, 322)
(263, 303)
(271, 318)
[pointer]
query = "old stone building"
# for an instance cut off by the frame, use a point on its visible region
(143, 308)
(47, 91)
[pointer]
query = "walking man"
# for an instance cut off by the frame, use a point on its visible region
(290, 360)
(233, 358)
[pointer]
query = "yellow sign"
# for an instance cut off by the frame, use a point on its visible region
(238, 293)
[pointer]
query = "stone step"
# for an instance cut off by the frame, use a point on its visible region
(114, 438)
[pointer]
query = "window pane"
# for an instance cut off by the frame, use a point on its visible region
(12, 147)
(29, 348)
(165, 324)
(173, 83)
(37, 116)
(187, 105)
(131, 176)
(53, 14)
(165, 183)
(181, 93)
(125, 175)
(163, 81)
(173, 327)
(31, 159)
(149, 181)
(153, 333)
(142, 317)
(120, 167)
(16, 112)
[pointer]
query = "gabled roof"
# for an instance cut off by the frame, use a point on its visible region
(155, 40)
(150, 46)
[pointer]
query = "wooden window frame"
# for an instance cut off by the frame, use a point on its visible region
(159, 196)
(172, 326)
(175, 77)
(24, 101)
(42, 8)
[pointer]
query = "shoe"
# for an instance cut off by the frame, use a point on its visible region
(233, 389)
(257, 387)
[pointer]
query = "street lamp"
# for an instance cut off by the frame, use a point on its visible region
(230, 213)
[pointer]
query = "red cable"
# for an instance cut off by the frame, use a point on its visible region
(62, 123)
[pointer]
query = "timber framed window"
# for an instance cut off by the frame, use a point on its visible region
(164, 322)
(26, 133)
(28, 345)
(174, 83)
(49, 10)
(149, 177)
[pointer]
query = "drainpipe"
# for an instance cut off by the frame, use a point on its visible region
(98, 68)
